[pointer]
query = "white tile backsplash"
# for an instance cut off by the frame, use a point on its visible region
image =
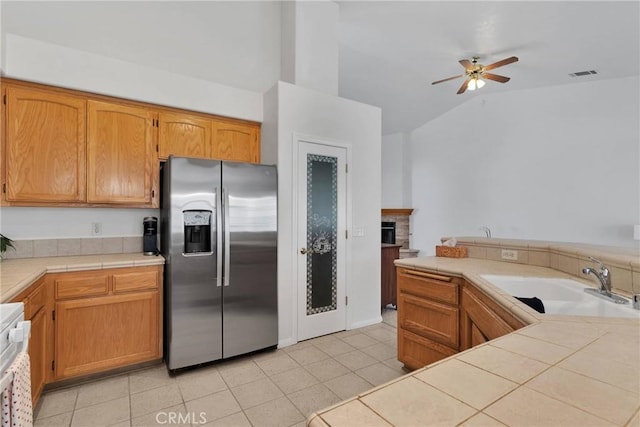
(69, 247)
(45, 248)
(112, 245)
(73, 247)
(21, 249)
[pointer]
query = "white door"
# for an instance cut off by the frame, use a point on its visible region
(321, 237)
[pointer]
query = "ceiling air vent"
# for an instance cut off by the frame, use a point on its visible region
(582, 73)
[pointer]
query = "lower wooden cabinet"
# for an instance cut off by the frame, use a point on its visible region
(106, 319)
(416, 351)
(88, 322)
(38, 353)
(97, 334)
(428, 317)
(388, 282)
(439, 315)
(482, 319)
(37, 309)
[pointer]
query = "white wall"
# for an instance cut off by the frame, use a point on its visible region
(62, 223)
(43, 62)
(288, 42)
(2, 40)
(396, 171)
(317, 45)
(324, 116)
(234, 43)
(309, 45)
(559, 163)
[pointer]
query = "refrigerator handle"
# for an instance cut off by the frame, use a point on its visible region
(218, 229)
(227, 238)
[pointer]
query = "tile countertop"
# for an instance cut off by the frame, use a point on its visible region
(17, 274)
(557, 371)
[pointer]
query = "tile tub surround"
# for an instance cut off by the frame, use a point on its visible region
(18, 274)
(547, 373)
(571, 258)
(72, 247)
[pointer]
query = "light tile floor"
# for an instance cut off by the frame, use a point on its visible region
(274, 388)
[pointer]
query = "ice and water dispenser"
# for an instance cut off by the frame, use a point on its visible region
(197, 231)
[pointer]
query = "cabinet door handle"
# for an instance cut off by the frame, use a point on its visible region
(428, 275)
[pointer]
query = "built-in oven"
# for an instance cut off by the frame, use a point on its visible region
(388, 232)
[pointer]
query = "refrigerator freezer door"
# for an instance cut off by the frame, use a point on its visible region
(191, 198)
(250, 299)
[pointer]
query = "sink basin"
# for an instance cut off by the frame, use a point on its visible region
(561, 296)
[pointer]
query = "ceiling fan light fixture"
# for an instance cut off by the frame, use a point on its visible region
(475, 83)
(474, 71)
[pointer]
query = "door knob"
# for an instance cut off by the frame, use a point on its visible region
(304, 251)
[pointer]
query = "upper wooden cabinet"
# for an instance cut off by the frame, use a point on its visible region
(63, 147)
(120, 155)
(45, 146)
(235, 141)
(198, 136)
(183, 135)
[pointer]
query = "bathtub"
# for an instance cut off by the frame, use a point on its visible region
(561, 296)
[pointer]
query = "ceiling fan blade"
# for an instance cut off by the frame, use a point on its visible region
(463, 87)
(501, 63)
(495, 77)
(466, 64)
(447, 79)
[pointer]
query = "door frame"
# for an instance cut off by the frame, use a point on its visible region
(296, 139)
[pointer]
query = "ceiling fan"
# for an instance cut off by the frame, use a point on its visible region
(475, 72)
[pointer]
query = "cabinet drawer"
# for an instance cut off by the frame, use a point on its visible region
(81, 285)
(36, 301)
(429, 319)
(416, 351)
(135, 281)
(428, 285)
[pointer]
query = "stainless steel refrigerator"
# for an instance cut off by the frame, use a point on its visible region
(218, 237)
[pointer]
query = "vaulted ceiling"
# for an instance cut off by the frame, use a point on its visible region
(390, 51)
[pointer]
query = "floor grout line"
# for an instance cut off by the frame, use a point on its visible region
(377, 339)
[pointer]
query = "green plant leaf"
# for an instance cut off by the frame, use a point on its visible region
(5, 243)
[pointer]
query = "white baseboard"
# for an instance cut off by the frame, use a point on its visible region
(286, 342)
(364, 323)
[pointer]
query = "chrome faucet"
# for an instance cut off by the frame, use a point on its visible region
(603, 275)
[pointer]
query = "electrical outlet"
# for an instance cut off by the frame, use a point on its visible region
(96, 228)
(509, 254)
